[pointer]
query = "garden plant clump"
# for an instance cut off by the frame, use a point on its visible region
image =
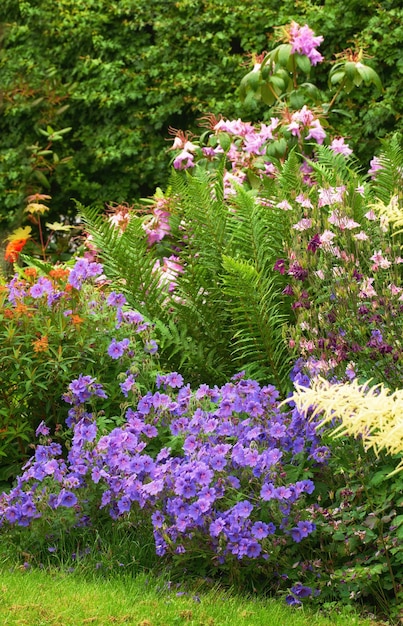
(179, 347)
(55, 320)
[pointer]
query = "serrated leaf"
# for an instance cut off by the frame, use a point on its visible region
(36, 207)
(380, 476)
(20, 233)
(59, 227)
(338, 536)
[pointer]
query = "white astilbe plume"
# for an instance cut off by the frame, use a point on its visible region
(373, 413)
(393, 212)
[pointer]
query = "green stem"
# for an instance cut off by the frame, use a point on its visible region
(43, 246)
(333, 100)
(294, 72)
(387, 557)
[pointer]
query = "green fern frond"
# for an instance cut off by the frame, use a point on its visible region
(389, 180)
(330, 168)
(289, 179)
(258, 320)
(127, 260)
(256, 232)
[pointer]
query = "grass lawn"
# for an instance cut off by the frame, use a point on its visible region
(36, 598)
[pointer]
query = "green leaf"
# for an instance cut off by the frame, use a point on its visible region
(303, 63)
(337, 77)
(41, 178)
(284, 53)
(267, 94)
(224, 139)
(338, 536)
(278, 82)
(369, 75)
(59, 227)
(350, 69)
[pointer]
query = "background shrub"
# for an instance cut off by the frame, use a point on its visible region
(114, 76)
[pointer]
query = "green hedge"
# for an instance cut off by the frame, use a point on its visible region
(120, 73)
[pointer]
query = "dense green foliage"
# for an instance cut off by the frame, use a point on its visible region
(227, 312)
(114, 76)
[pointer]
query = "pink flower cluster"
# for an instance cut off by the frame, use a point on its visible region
(304, 41)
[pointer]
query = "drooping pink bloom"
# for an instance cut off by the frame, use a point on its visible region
(169, 271)
(316, 132)
(375, 166)
(284, 205)
(304, 116)
(367, 290)
(394, 290)
(339, 146)
(330, 195)
(303, 224)
(234, 127)
(371, 215)
(231, 179)
(342, 221)
(304, 201)
(380, 261)
(157, 225)
(184, 160)
(326, 239)
(361, 236)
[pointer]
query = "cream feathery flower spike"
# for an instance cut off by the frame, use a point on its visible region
(373, 413)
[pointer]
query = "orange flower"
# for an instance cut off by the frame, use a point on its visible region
(31, 271)
(59, 272)
(22, 309)
(76, 319)
(13, 249)
(41, 345)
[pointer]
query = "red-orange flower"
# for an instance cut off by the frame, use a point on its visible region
(13, 249)
(30, 271)
(22, 309)
(76, 319)
(41, 345)
(59, 272)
